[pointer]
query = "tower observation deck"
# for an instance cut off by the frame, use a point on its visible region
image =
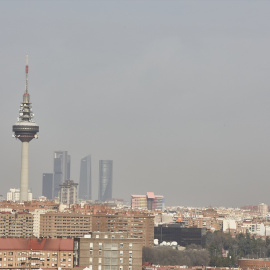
(25, 129)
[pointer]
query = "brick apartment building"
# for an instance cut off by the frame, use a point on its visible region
(135, 224)
(254, 263)
(16, 224)
(108, 251)
(22, 253)
(70, 225)
(28, 206)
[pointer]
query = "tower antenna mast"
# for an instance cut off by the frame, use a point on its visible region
(26, 75)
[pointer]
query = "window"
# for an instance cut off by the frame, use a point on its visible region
(130, 245)
(99, 260)
(121, 260)
(90, 260)
(100, 245)
(10, 253)
(91, 245)
(99, 267)
(99, 252)
(113, 236)
(91, 252)
(121, 252)
(121, 245)
(130, 261)
(105, 236)
(97, 236)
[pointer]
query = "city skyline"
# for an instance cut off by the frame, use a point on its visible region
(176, 93)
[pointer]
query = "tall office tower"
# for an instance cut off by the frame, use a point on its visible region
(85, 191)
(47, 185)
(105, 180)
(61, 168)
(25, 129)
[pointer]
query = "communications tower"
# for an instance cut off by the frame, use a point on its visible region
(25, 129)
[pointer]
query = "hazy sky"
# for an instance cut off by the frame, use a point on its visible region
(176, 93)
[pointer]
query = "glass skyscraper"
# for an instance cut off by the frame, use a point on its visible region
(85, 189)
(47, 185)
(105, 180)
(61, 169)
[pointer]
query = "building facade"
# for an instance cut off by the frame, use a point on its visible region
(57, 224)
(85, 184)
(136, 224)
(176, 233)
(149, 201)
(21, 253)
(263, 209)
(105, 180)
(61, 169)
(108, 251)
(14, 195)
(16, 224)
(68, 192)
(47, 185)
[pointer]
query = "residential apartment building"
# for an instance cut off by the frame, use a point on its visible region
(68, 192)
(14, 195)
(16, 224)
(108, 251)
(57, 224)
(22, 253)
(137, 225)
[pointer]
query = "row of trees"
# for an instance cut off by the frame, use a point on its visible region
(240, 246)
(170, 256)
(215, 246)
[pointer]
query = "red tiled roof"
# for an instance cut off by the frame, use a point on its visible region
(36, 244)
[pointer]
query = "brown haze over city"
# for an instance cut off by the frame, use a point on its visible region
(176, 93)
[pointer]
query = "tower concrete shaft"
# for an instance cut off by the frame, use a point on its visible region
(25, 129)
(24, 172)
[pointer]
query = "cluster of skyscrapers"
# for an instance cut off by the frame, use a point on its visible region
(58, 184)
